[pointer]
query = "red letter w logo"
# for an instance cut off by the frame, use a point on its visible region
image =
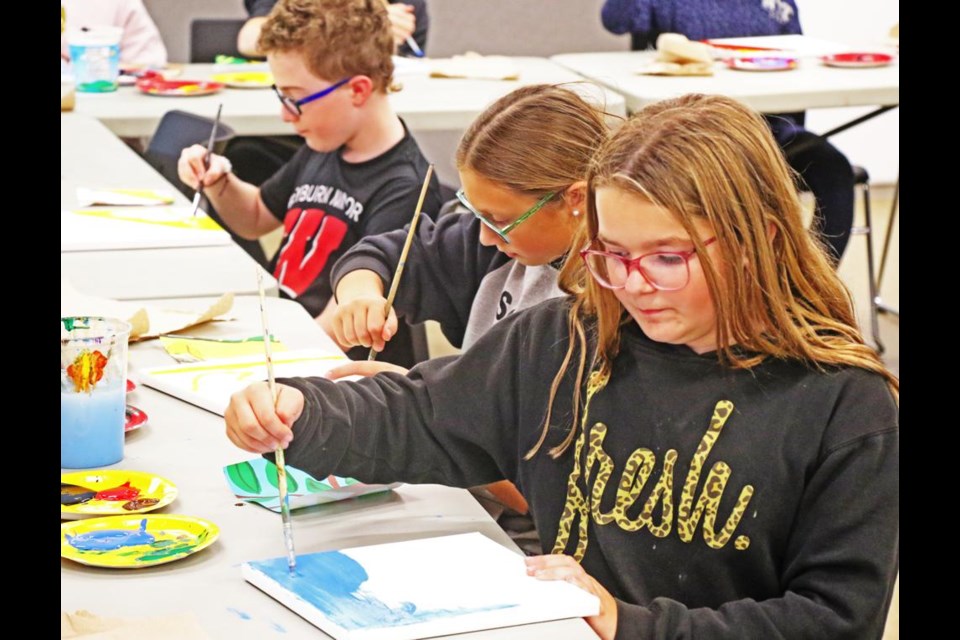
(312, 236)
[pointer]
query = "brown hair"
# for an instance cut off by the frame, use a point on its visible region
(535, 139)
(711, 157)
(337, 38)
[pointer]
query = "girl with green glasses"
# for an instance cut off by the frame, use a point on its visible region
(522, 165)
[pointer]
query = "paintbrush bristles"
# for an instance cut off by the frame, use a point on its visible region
(395, 283)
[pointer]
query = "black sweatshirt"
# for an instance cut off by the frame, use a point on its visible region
(712, 503)
(450, 277)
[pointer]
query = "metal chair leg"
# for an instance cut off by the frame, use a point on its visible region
(871, 277)
(867, 230)
(894, 209)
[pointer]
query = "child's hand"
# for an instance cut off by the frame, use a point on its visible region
(563, 567)
(191, 169)
(360, 321)
(365, 368)
(255, 424)
(402, 21)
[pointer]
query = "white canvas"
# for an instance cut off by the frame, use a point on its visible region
(138, 228)
(209, 384)
(417, 589)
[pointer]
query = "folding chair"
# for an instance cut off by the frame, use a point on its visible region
(178, 130)
(210, 37)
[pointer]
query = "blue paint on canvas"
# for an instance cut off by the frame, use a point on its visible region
(331, 582)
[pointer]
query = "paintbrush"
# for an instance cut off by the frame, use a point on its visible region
(281, 465)
(395, 283)
(414, 47)
(206, 160)
(411, 43)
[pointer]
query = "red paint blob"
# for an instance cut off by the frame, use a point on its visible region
(124, 492)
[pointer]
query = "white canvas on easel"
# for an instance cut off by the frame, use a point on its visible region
(209, 384)
(417, 589)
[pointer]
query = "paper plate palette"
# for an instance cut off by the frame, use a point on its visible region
(109, 492)
(133, 542)
(245, 79)
(178, 88)
(762, 63)
(858, 60)
(135, 418)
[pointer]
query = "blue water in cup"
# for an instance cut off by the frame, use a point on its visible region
(91, 428)
(95, 57)
(93, 386)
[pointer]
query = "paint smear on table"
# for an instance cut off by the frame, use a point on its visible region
(243, 615)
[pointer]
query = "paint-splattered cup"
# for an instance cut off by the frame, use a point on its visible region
(95, 55)
(93, 383)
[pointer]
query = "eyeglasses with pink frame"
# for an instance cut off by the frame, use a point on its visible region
(662, 270)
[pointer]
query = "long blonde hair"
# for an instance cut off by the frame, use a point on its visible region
(536, 139)
(711, 157)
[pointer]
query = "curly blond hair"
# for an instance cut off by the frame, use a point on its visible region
(337, 38)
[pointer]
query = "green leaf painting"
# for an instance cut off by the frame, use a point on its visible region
(256, 481)
(274, 479)
(244, 476)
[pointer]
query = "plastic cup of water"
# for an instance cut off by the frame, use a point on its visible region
(93, 386)
(95, 57)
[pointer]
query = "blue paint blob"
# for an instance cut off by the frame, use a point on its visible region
(279, 628)
(331, 583)
(243, 615)
(110, 539)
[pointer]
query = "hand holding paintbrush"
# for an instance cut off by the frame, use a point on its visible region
(279, 457)
(206, 160)
(403, 22)
(411, 233)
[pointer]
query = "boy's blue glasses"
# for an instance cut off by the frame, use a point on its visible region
(293, 106)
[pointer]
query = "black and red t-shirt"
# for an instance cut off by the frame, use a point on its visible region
(326, 205)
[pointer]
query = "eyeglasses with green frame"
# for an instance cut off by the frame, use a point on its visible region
(502, 232)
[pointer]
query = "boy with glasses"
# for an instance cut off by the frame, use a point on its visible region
(359, 172)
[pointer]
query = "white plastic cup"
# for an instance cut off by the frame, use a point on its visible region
(95, 54)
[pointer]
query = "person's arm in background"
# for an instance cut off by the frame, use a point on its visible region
(419, 29)
(141, 43)
(250, 31)
(636, 17)
(627, 16)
